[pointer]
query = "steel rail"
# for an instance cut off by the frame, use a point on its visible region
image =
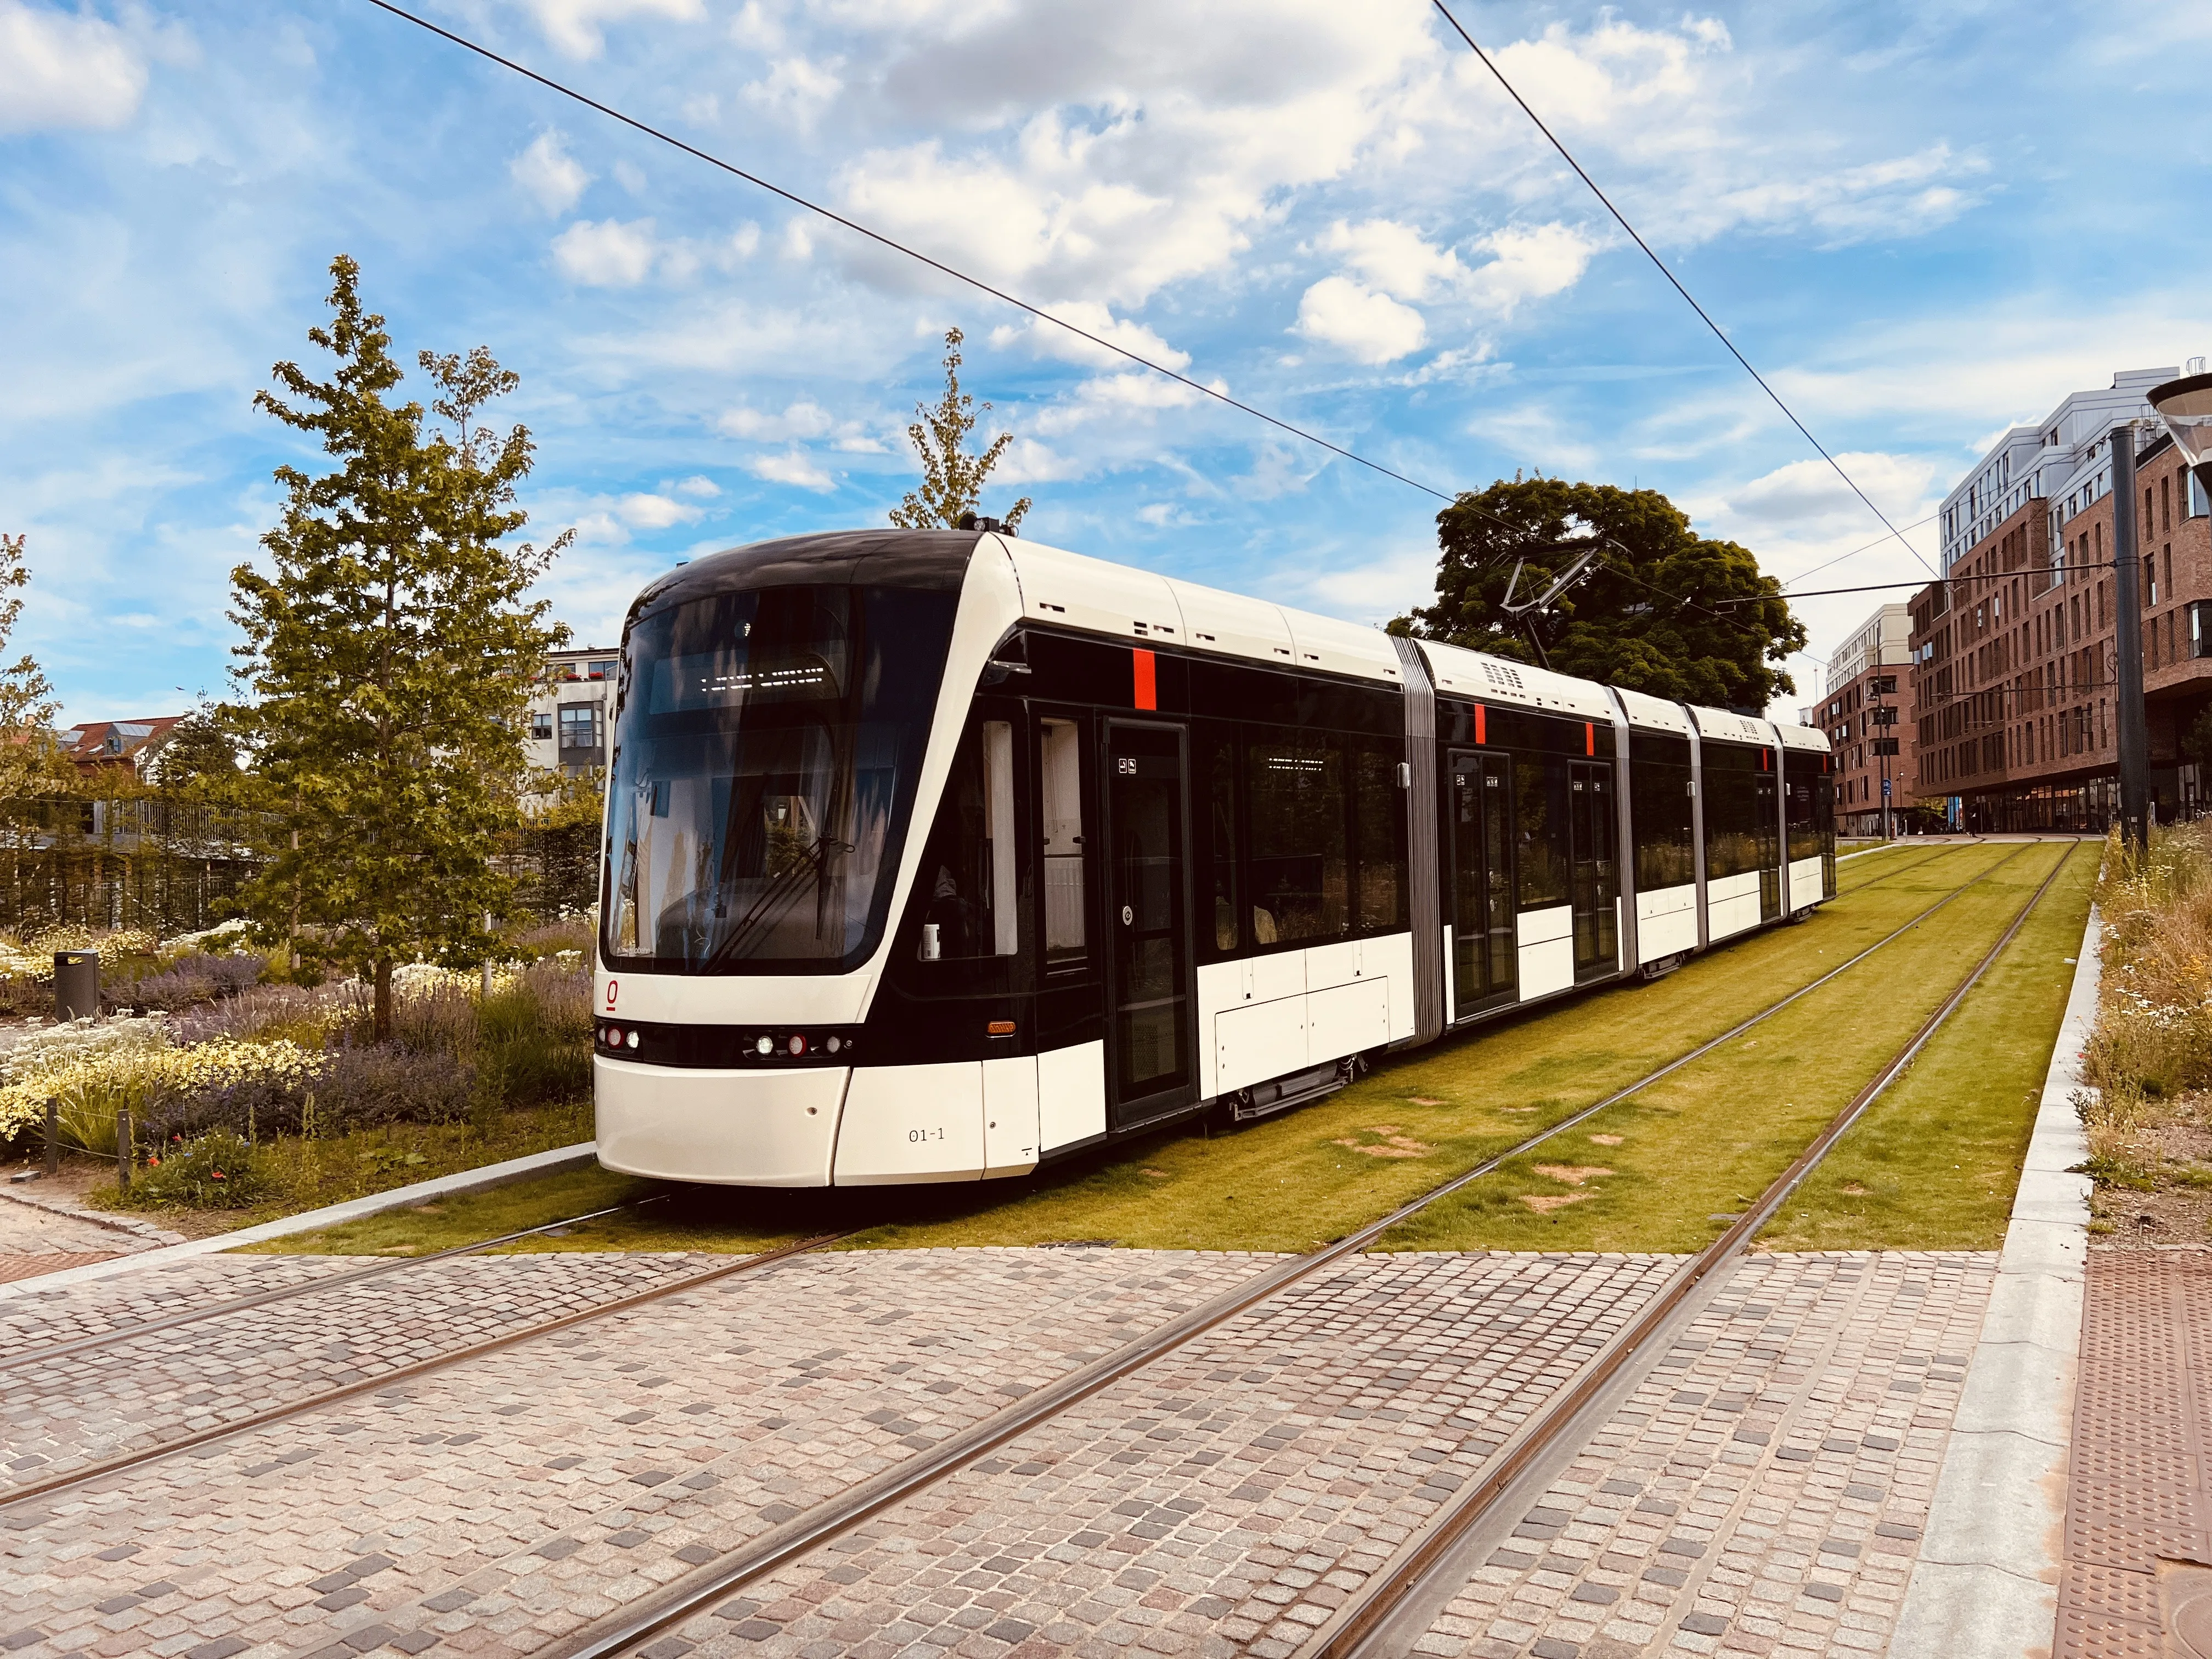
(1358, 1628)
(685, 1598)
(62, 1480)
(92, 1341)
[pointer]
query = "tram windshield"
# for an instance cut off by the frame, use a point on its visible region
(766, 746)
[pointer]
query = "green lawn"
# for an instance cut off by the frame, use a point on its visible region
(1288, 1183)
(1933, 1164)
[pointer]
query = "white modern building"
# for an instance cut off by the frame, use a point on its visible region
(2062, 459)
(1885, 638)
(569, 714)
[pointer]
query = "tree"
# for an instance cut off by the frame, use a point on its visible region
(30, 760)
(951, 479)
(1665, 611)
(388, 659)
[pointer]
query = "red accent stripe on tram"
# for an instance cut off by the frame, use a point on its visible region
(1589, 738)
(1147, 693)
(1479, 736)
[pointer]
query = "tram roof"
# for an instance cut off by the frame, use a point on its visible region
(1074, 590)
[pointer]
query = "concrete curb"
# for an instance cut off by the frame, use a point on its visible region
(1986, 1584)
(461, 1180)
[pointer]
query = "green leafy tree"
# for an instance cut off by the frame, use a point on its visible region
(30, 761)
(1665, 612)
(952, 479)
(390, 653)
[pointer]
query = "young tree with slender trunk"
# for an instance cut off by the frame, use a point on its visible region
(951, 479)
(391, 646)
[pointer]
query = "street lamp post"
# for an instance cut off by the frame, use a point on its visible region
(2185, 407)
(2129, 714)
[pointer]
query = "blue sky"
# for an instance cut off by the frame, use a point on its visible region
(1924, 222)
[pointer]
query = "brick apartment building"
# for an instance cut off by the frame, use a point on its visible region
(2013, 660)
(1863, 716)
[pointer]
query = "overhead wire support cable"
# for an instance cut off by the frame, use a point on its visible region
(896, 247)
(1621, 219)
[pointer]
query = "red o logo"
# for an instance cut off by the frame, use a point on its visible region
(613, 985)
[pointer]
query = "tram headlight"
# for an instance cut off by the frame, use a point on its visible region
(798, 1043)
(631, 1040)
(765, 1046)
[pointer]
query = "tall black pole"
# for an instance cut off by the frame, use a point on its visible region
(2133, 723)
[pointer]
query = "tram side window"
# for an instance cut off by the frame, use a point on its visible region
(1804, 820)
(1659, 782)
(1060, 774)
(1733, 821)
(1379, 826)
(1540, 808)
(1215, 788)
(973, 909)
(1298, 887)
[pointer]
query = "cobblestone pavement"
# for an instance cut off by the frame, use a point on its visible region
(517, 1495)
(2139, 1492)
(84, 1407)
(35, 1239)
(33, 1318)
(1762, 1491)
(1219, 1501)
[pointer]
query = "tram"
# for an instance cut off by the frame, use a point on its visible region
(939, 855)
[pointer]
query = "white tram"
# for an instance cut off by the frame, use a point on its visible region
(935, 856)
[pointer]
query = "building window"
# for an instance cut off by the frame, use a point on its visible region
(603, 671)
(541, 724)
(579, 725)
(2200, 629)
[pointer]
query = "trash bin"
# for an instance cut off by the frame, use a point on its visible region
(76, 984)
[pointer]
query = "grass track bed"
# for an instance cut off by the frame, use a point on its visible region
(1934, 1163)
(1313, 1174)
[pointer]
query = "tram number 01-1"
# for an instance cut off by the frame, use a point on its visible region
(915, 1137)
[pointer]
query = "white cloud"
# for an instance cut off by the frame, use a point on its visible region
(649, 511)
(792, 467)
(1377, 591)
(1808, 491)
(703, 489)
(606, 255)
(65, 69)
(1137, 390)
(574, 25)
(804, 419)
(1394, 258)
(796, 91)
(1047, 340)
(548, 173)
(1531, 262)
(1027, 461)
(1366, 326)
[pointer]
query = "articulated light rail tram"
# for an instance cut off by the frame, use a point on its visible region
(937, 855)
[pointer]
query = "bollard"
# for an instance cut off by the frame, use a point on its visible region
(76, 985)
(53, 1139)
(123, 1149)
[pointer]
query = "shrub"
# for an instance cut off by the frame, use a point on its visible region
(192, 979)
(217, 1170)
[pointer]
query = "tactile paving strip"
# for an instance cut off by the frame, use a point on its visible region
(2141, 1487)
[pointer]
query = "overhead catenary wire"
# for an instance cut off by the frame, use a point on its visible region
(897, 246)
(979, 284)
(1621, 219)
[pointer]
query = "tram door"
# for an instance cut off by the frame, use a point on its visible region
(1593, 881)
(1483, 942)
(1770, 851)
(1148, 924)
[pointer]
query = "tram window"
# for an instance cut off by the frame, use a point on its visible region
(1734, 824)
(1299, 867)
(1379, 825)
(1540, 787)
(1060, 773)
(1215, 786)
(1660, 801)
(973, 909)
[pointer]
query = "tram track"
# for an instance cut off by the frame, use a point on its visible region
(911, 1475)
(1367, 1625)
(710, 1585)
(92, 1341)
